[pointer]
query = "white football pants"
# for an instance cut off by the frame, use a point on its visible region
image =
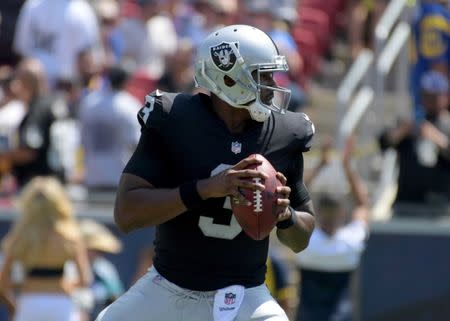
(153, 298)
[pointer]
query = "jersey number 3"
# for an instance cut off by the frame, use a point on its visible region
(221, 231)
(149, 105)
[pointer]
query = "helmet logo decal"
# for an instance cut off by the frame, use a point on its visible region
(223, 56)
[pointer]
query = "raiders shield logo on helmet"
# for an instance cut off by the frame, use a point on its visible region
(223, 56)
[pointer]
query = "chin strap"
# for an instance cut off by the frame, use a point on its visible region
(258, 112)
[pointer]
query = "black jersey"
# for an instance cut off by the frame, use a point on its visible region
(183, 139)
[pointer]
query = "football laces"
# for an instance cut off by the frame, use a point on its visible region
(257, 197)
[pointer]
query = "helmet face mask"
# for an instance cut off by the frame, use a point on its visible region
(269, 94)
(237, 63)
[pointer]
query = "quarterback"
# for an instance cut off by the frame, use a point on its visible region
(190, 160)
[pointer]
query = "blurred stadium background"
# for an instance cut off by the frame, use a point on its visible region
(352, 69)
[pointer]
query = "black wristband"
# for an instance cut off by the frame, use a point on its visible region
(190, 196)
(289, 222)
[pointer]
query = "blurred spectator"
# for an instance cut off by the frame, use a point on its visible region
(106, 286)
(9, 12)
(179, 75)
(141, 35)
(431, 29)
(91, 73)
(227, 11)
(157, 25)
(65, 133)
(424, 153)
(35, 153)
(109, 132)
(140, 84)
(108, 14)
(12, 111)
(7, 304)
(182, 15)
(195, 19)
(278, 281)
(334, 251)
(213, 14)
(277, 22)
(357, 36)
(54, 32)
(42, 240)
(363, 17)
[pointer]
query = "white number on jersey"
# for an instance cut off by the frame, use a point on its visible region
(220, 231)
(149, 104)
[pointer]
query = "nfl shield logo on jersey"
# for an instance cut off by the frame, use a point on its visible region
(236, 147)
(229, 298)
(223, 56)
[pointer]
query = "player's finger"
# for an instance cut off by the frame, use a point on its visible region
(250, 184)
(283, 202)
(284, 190)
(251, 173)
(282, 178)
(247, 161)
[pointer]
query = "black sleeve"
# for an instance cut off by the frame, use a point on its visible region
(305, 132)
(155, 113)
(299, 193)
(148, 160)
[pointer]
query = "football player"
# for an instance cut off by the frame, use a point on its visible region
(190, 160)
(432, 42)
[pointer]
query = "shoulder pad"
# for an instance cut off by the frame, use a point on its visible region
(156, 110)
(305, 132)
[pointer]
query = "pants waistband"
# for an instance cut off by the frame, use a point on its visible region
(196, 295)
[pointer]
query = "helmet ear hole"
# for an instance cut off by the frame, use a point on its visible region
(228, 81)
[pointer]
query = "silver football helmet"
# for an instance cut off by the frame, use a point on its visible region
(232, 63)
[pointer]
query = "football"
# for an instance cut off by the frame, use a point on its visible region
(258, 219)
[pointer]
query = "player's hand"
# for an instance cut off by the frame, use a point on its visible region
(230, 181)
(283, 201)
